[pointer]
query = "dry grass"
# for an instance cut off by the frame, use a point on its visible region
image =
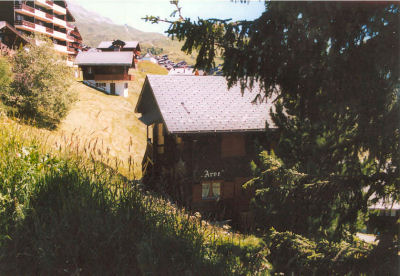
(111, 120)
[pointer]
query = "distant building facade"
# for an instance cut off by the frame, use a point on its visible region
(107, 71)
(201, 140)
(45, 17)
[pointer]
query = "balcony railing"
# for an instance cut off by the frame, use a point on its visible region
(49, 16)
(25, 23)
(125, 77)
(60, 35)
(24, 7)
(58, 21)
(50, 3)
(70, 37)
(70, 25)
(60, 48)
(49, 30)
(58, 9)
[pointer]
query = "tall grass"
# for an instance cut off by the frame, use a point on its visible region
(63, 213)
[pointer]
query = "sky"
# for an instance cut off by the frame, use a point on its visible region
(130, 12)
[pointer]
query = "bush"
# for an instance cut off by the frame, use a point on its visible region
(290, 252)
(41, 87)
(5, 75)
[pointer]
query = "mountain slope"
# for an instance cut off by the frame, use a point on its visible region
(95, 28)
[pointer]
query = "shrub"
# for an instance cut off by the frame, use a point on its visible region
(5, 78)
(5, 74)
(40, 90)
(290, 252)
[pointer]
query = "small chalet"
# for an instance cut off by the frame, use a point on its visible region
(120, 46)
(107, 71)
(201, 139)
(10, 39)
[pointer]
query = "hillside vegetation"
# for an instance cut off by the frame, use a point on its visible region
(63, 214)
(108, 121)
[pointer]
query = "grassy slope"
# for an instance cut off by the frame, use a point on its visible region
(108, 121)
(64, 214)
(111, 120)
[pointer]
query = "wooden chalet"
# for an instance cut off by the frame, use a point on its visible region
(10, 39)
(201, 139)
(107, 71)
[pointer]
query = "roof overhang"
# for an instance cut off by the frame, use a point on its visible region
(103, 64)
(4, 24)
(150, 118)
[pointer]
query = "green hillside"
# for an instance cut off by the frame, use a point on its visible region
(95, 28)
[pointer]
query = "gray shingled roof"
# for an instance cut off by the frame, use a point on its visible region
(104, 58)
(204, 104)
(108, 44)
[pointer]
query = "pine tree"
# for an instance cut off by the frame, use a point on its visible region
(336, 68)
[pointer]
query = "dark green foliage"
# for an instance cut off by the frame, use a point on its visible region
(335, 68)
(5, 75)
(290, 252)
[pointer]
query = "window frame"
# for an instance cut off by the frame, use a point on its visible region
(211, 190)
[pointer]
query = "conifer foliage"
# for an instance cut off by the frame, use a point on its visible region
(336, 67)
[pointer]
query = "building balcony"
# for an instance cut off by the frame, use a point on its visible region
(70, 26)
(41, 29)
(61, 48)
(71, 50)
(104, 77)
(45, 3)
(70, 38)
(59, 35)
(59, 22)
(49, 30)
(59, 10)
(29, 11)
(25, 25)
(43, 16)
(24, 9)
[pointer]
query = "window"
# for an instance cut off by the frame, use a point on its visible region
(101, 85)
(210, 190)
(126, 85)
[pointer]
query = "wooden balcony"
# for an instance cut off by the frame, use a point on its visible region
(72, 50)
(24, 7)
(125, 77)
(25, 23)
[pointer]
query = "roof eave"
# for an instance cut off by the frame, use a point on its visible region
(220, 131)
(102, 64)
